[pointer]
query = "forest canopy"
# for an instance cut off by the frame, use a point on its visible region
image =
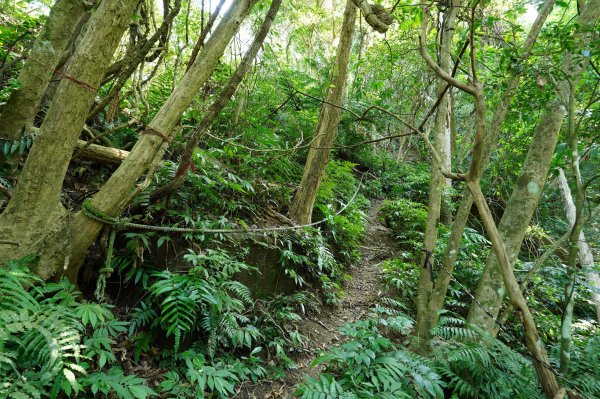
(287, 198)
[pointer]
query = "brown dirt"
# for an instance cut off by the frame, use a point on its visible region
(361, 292)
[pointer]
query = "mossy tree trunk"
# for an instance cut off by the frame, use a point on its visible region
(122, 70)
(35, 218)
(48, 49)
(35, 208)
(329, 118)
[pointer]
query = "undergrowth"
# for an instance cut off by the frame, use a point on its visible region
(464, 362)
(53, 344)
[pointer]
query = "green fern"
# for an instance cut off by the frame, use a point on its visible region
(370, 365)
(40, 340)
(177, 295)
(18, 146)
(206, 299)
(475, 365)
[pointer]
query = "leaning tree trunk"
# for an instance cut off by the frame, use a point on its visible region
(329, 118)
(438, 182)
(49, 47)
(533, 340)
(216, 107)
(117, 192)
(528, 188)
(440, 288)
(35, 208)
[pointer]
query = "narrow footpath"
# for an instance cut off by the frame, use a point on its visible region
(361, 292)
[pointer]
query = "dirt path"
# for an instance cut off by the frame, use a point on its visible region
(361, 293)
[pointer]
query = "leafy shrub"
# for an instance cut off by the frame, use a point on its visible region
(407, 220)
(204, 298)
(219, 311)
(344, 231)
(472, 255)
(403, 277)
(40, 339)
(314, 260)
(395, 179)
(196, 375)
(584, 367)
(115, 381)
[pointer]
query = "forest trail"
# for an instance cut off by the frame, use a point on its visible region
(361, 292)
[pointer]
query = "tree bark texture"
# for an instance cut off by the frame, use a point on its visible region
(532, 339)
(528, 188)
(35, 208)
(375, 15)
(99, 153)
(49, 47)
(329, 118)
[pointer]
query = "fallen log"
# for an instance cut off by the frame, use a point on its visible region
(99, 153)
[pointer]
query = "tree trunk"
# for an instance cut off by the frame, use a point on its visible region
(528, 188)
(329, 118)
(438, 183)
(533, 341)
(517, 216)
(375, 15)
(458, 227)
(118, 190)
(35, 208)
(49, 47)
(578, 247)
(99, 153)
(204, 32)
(216, 107)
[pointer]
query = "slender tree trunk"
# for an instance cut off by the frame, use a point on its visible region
(575, 249)
(136, 58)
(204, 32)
(121, 187)
(329, 118)
(517, 216)
(49, 47)
(578, 247)
(458, 227)
(35, 208)
(215, 109)
(528, 188)
(438, 182)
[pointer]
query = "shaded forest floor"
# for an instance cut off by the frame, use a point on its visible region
(361, 292)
